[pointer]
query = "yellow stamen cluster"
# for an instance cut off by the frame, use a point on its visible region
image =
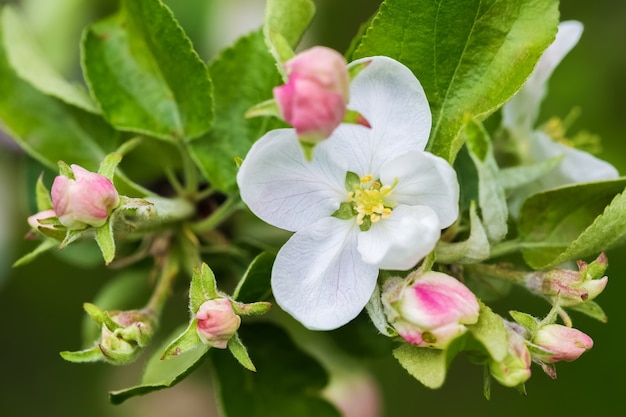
(369, 199)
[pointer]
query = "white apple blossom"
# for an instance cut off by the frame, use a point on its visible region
(519, 117)
(370, 199)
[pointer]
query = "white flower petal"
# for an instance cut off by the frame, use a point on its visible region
(389, 96)
(284, 189)
(424, 179)
(319, 277)
(576, 166)
(520, 113)
(401, 240)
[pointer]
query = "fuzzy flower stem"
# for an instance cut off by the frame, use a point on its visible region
(498, 272)
(169, 271)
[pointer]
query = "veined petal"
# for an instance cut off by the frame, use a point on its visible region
(319, 277)
(389, 96)
(401, 240)
(425, 180)
(520, 113)
(576, 166)
(283, 189)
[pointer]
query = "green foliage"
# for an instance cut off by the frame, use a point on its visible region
(287, 384)
(145, 75)
(237, 88)
(470, 56)
(572, 222)
(285, 22)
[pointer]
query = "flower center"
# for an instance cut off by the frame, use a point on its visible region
(368, 200)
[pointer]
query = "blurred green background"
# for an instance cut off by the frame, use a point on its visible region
(40, 304)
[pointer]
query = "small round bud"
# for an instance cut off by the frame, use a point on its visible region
(217, 322)
(561, 343)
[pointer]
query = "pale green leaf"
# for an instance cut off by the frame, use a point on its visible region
(475, 249)
(203, 287)
(491, 197)
(491, 333)
(255, 283)
(591, 309)
(239, 351)
(42, 195)
(470, 56)
(143, 71)
(186, 341)
(428, 366)
(285, 22)
(517, 176)
(93, 354)
(573, 222)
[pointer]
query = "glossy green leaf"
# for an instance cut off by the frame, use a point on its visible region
(285, 22)
(160, 373)
(28, 62)
(491, 197)
(470, 56)
(287, 382)
(143, 71)
(237, 89)
(573, 222)
(255, 284)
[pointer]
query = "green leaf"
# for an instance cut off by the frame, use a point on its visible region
(143, 71)
(525, 319)
(93, 354)
(470, 56)
(428, 366)
(491, 333)
(106, 241)
(514, 177)
(161, 374)
(285, 22)
(48, 129)
(26, 59)
(203, 287)
(237, 88)
(491, 197)
(591, 309)
(572, 222)
(287, 384)
(255, 283)
(239, 352)
(186, 341)
(475, 249)
(44, 246)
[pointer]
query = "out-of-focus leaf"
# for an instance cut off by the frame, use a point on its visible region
(573, 222)
(285, 22)
(255, 284)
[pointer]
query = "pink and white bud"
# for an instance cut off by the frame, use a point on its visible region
(354, 394)
(514, 369)
(561, 343)
(217, 322)
(432, 311)
(572, 287)
(86, 200)
(314, 98)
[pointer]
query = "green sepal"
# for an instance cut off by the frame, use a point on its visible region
(591, 309)
(101, 317)
(52, 227)
(71, 236)
(489, 330)
(526, 320)
(475, 249)
(44, 246)
(106, 241)
(355, 69)
(355, 118)
(279, 47)
(345, 211)
(251, 309)
(65, 170)
(109, 164)
(307, 148)
(352, 181)
(42, 195)
(93, 354)
(186, 341)
(203, 287)
(240, 352)
(265, 108)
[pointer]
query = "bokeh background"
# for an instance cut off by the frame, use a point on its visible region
(40, 304)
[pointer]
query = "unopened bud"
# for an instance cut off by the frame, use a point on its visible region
(514, 369)
(85, 200)
(432, 310)
(217, 322)
(560, 343)
(122, 344)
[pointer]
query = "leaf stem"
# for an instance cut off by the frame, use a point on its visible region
(169, 271)
(232, 204)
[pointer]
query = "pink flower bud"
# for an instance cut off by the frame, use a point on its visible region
(314, 99)
(572, 287)
(432, 311)
(122, 345)
(561, 343)
(84, 201)
(514, 369)
(217, 322)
